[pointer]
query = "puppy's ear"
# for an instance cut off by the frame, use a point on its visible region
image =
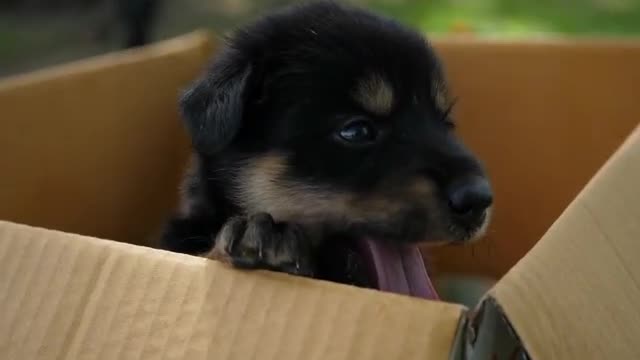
(213, 106)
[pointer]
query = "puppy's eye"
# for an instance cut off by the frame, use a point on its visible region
(358, 131)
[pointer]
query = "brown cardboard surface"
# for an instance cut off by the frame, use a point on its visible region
(576, 294)
(544, 116)
(65, 296)
(96, 146)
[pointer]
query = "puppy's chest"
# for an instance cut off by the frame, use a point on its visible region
(338, 261)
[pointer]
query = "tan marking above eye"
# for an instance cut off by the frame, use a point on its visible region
(375, 94)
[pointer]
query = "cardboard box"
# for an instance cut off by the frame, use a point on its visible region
(94, 150)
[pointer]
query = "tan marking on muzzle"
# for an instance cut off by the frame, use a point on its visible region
(262, 187)
(482, 230)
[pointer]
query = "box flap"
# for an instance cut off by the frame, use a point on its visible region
(576, 294)
(74, 297)
(96, 146)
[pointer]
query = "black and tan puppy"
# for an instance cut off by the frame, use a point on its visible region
(317, 125)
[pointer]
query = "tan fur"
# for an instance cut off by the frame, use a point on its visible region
(481, 232)
(219, 251)
(375, 94)
(262, 188)
(187, 202)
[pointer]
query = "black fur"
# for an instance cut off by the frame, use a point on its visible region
(282, 90)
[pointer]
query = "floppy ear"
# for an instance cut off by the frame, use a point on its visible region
(213, 106)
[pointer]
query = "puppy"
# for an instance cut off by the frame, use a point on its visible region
(315, 126)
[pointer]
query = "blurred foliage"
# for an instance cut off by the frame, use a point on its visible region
(519, 17)
(39, 5)
(35, 33)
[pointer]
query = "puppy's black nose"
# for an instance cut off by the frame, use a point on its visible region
(470, 197)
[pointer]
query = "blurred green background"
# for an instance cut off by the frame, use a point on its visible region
(36, 33)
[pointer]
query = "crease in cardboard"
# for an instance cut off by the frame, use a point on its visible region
(490, 335)
(458, 349)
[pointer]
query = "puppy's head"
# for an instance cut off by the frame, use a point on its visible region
(333, 116)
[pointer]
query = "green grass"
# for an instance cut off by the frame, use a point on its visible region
(31, 41)
(520, 17)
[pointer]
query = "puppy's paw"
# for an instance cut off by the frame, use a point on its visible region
(257, 242)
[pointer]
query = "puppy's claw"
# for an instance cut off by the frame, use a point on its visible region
(259, 243)
(232, 231)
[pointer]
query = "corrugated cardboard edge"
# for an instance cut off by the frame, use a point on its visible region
(576, 294)
(75, 297)
(199, 38)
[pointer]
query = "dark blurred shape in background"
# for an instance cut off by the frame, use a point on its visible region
(136, 17)
(36, 33)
